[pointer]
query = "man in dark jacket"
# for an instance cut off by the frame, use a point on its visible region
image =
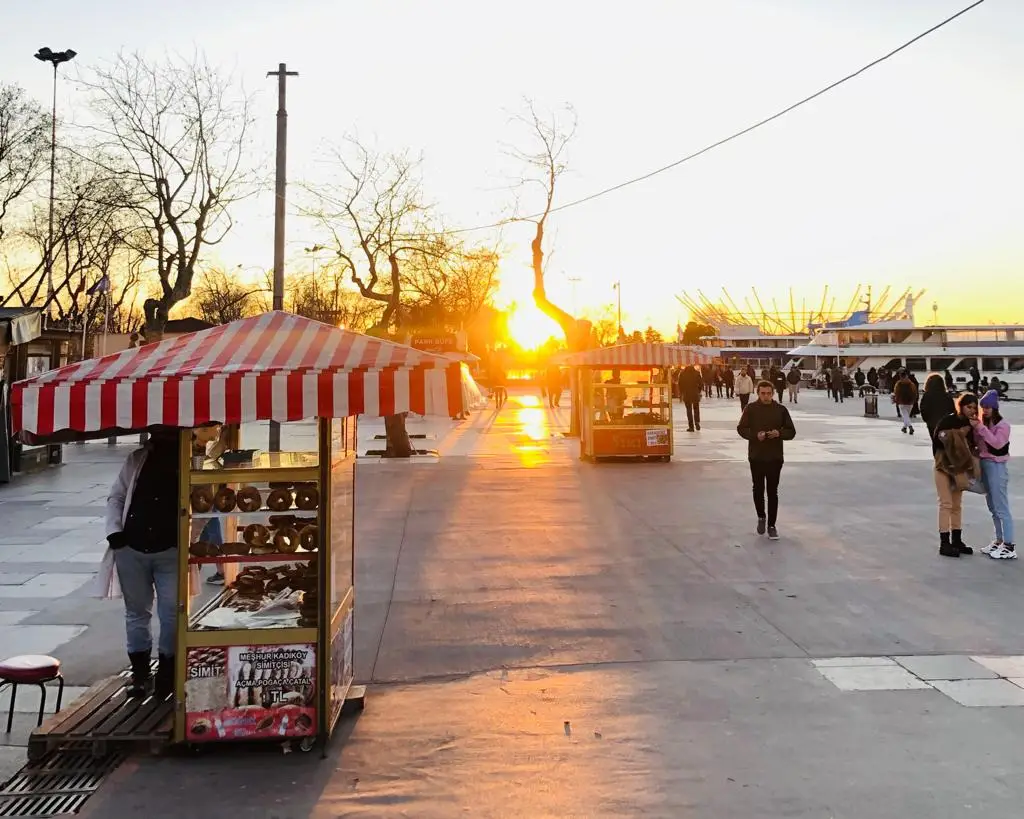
(691, 386)
(765, 424)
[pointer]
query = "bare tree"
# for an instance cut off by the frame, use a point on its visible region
(220, 298)
(325, 296)
(449, 291)
(90, 241)
(173, 134)
(23, 146)
(545, 161)
(377, 221)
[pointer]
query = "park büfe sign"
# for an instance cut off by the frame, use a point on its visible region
(435, 342)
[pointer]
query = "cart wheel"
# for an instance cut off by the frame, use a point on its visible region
(306, 744)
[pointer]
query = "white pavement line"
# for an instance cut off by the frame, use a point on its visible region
(1012, 667)
(982, 693)
(873, 678)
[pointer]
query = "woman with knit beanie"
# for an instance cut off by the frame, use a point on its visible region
(992, 435)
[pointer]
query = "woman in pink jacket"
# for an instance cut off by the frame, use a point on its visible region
(992, 435)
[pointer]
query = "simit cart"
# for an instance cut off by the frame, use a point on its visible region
(625, 399)
(270, 654)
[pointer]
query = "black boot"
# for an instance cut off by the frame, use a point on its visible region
(164, 677)
(140, 674)
(958, 542)
(947, 549)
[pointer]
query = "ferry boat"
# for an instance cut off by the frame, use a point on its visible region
(997, 350)
(737, 345)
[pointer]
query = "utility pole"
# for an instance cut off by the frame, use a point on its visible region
(280, 186)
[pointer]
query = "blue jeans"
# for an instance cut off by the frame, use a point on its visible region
(139, 574)
(997, 485)
(212, 532)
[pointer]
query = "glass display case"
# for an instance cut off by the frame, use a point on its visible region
(625, 415)
(268, 654)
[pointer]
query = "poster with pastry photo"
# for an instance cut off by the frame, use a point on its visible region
(251, 692)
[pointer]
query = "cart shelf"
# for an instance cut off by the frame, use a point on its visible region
(276, 557)
(258, 516)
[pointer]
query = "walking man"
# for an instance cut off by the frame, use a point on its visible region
(904, 393)
(744, 388)
(765, 424)
(793, 382)
(691, 385)
(837, 385)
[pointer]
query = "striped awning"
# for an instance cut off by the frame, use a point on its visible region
(276, 366)
(637, 355)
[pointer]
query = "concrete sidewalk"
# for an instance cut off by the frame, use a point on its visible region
(614, 640)
(546, 638)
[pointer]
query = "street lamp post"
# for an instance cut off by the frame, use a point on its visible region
(618, 289)
(55, 58)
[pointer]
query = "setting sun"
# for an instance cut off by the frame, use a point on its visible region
(530, 328)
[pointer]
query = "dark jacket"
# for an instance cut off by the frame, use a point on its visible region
(934, 407)
(691, 386)
(793, 376)
(758, 417)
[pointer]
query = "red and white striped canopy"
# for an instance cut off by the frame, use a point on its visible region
(637, 355)
(276, 366)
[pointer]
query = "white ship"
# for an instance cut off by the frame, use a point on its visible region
(996, 350)
(865, 335)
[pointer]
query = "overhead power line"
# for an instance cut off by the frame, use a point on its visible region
(759, 124)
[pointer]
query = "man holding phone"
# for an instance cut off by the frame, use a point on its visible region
(765, 424)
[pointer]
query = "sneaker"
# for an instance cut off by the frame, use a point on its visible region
(994, 546)
(911, 430)
(904, 430)
(761, 523)
(1004, 553)
(216, 579)
(773, 533)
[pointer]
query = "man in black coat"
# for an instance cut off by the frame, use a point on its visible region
(765, 424)
(691, 385)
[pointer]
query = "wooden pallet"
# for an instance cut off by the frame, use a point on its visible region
(103, 717)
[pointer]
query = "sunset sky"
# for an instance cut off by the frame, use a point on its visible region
(909, 176)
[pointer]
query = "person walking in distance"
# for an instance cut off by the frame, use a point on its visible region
(730, 382)
(707, 373)
(744, 388)
(793, 382)
(859, 378)
(719, 381)
(765, 424)
(992, 435)
(904, 393)
(691, 385)
(836, 384)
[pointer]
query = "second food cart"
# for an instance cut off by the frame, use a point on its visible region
(269, 655)
(625, 399)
